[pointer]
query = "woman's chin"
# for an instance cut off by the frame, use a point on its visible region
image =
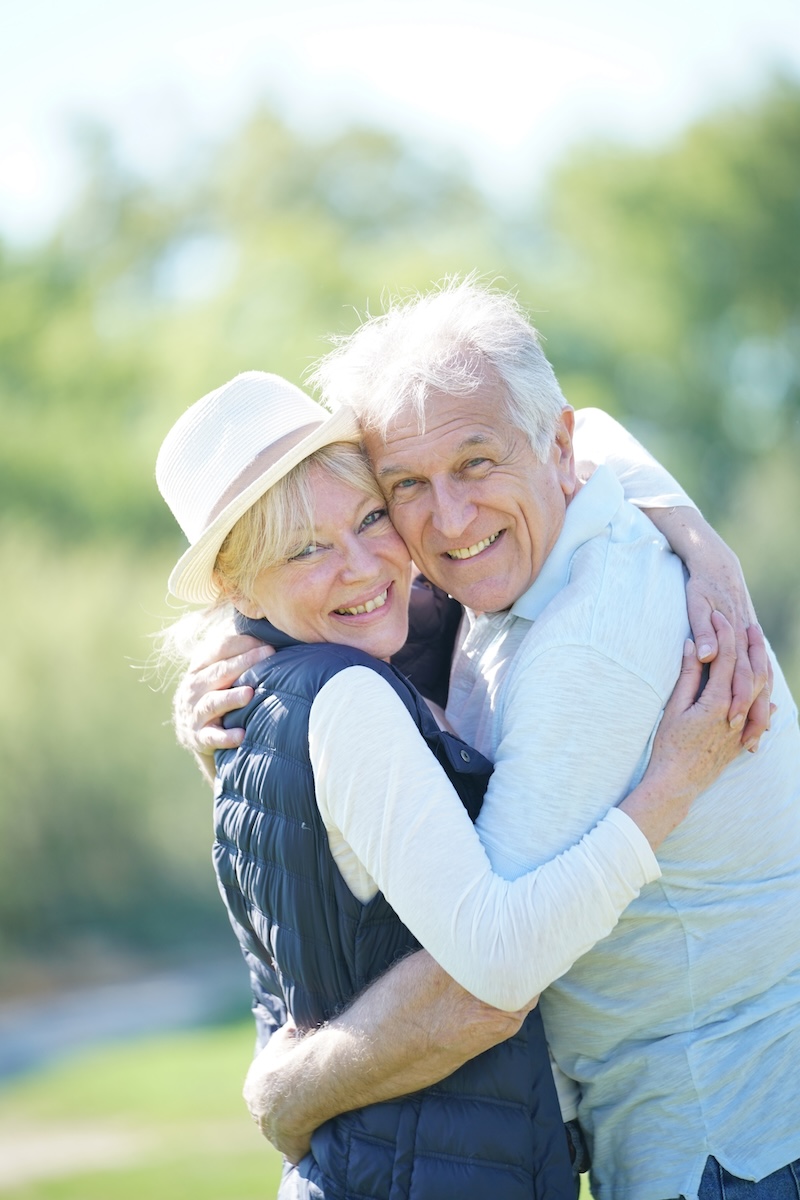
(378, 646)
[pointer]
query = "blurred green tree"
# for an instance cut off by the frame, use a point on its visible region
(665, 282)
(677, 274)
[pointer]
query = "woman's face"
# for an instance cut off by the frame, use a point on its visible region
(351, 585)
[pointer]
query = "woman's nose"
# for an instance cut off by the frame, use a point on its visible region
(359, 561)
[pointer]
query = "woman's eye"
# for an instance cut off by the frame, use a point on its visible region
(376, 515)
(306, 552)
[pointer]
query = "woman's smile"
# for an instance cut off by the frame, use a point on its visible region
(359, 607)
(350, 584)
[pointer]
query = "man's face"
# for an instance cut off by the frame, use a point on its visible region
(477, 510)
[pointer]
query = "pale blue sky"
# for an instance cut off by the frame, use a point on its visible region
(510, 84)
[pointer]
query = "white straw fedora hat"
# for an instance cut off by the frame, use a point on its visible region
(225, 452)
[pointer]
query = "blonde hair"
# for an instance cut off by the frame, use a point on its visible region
(281, 522)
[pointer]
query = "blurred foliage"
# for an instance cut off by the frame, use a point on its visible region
(664, 280)
(161, 1117)
(678, 284)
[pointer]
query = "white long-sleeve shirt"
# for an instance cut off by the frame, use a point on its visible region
(395, 824)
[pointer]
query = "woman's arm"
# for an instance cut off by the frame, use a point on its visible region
(396, 825)
(716, 582)
(416, 1025)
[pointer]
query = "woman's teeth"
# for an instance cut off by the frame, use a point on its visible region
(471, 551)
(370, 606)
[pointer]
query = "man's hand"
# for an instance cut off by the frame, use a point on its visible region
(412, 1027)
(263, 1098)
(205, 694)
(716, 584)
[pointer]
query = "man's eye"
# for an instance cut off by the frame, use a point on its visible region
(403, 485)
(376, 515)
(477, 462)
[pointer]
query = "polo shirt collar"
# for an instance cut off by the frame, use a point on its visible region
(587, 515)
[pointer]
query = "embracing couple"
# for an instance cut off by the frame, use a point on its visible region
(428, 818)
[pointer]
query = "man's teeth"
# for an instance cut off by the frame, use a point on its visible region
(471, 551)
(370, 606)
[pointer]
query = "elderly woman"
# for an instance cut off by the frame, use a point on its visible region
(337, 857)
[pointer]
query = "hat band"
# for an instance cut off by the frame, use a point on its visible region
(263, 461)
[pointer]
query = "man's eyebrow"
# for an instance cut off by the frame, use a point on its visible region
(474, 439)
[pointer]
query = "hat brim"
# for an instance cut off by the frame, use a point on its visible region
(192, 577)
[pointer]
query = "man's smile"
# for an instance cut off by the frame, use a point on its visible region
(471, 551)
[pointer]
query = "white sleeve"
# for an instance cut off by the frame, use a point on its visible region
(380, 786)
(600, 439)
(576, 732)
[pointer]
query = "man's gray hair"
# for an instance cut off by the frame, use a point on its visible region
(453, 340)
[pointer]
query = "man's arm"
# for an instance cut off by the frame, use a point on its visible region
(206, 693)
(416, 1025)
(411, 1028)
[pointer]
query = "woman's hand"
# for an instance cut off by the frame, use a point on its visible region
(694, 741)
(205, 694)
(716, 584)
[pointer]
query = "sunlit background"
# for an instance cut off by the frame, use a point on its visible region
(184, 195)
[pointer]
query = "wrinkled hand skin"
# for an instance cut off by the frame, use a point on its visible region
(292, 1143)
(716, 584)
(725, 591)
(206, 693)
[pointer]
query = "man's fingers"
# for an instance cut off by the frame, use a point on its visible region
(223, 672)
(214, 705)
(214, 737)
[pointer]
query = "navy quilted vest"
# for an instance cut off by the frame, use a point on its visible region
(492, 1129)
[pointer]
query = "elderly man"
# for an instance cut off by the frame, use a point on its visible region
(679, 1030)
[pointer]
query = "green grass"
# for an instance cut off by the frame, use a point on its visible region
(161, 1119)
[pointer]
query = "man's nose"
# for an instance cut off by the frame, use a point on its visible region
(452, 509)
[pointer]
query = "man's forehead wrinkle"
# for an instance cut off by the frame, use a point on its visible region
(467, 443)
(475, 439)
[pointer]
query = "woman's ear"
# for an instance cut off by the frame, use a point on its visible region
(248, 608)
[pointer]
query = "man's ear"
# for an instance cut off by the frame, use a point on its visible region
(565, 458)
